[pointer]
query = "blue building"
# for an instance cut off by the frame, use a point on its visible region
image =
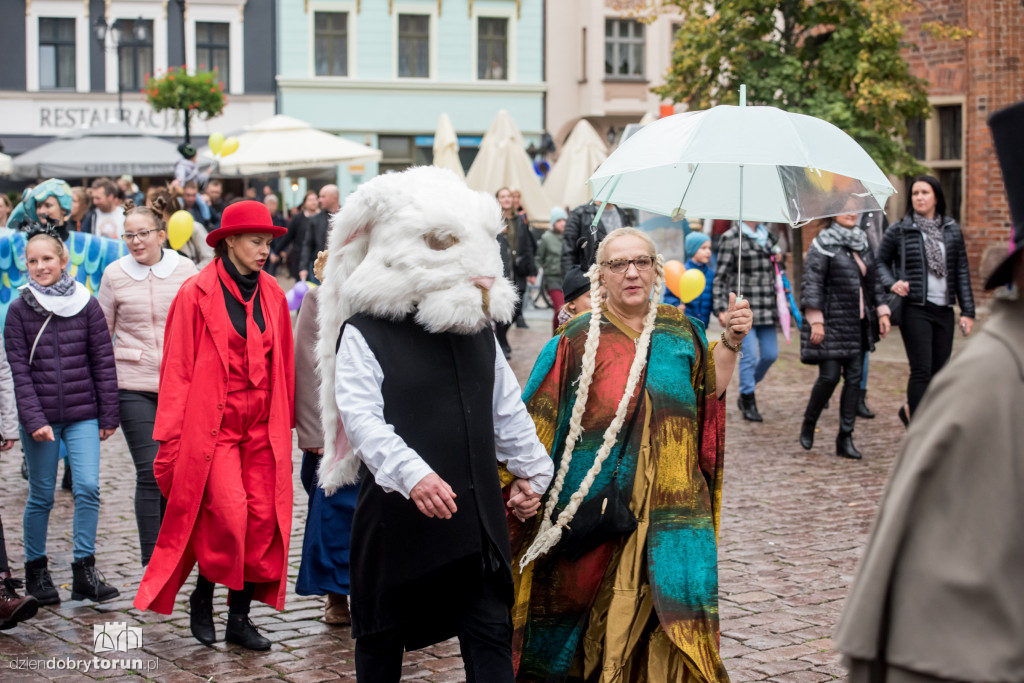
(381, 72)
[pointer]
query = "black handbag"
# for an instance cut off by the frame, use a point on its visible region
(606, 516)
(895, 300)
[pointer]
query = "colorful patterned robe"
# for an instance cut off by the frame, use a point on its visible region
(686, 428)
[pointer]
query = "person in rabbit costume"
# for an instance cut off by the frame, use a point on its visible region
(418, 405)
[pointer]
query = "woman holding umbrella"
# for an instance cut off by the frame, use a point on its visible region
(224, 424)
(759, 288)
(923, 259)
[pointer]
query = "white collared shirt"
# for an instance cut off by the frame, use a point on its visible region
(395, 466)
(161, 269)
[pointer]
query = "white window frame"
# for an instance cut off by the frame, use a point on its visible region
(230, 14)
(431, 12)
(57, 9)
(508, 13)
(625, 41)
(349, 8)
(151, 11)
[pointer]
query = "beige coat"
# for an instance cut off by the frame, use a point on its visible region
(948, 543)
(135, 300)
(307, 384)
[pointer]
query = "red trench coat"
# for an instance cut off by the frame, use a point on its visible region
(193, 393)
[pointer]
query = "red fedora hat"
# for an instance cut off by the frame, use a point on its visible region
(244, 216)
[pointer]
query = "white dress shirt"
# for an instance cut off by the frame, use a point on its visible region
(395, 466)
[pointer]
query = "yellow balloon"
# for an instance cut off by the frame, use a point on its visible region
(230, 146)
(215, 142)
(179, 229)
(691, 285)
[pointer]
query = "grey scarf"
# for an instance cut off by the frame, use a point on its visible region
(933, 241)
(836, 237)
(65, 286)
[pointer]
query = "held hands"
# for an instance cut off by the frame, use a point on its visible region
(818, 332)
(7, 444)
(434, 497)
(737, 321)
(106, 434)
(884, 326)
(523, 501)
(901, 287)
(43, 434)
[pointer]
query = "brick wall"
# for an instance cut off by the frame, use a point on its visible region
(988, 70)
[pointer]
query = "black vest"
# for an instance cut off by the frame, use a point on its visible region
(438, 395)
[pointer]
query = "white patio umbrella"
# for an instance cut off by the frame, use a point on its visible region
(5, 165)
(742, 163)
(446, 147)
(108, 149)
(583, 153)
(282, 143)
(503, 162)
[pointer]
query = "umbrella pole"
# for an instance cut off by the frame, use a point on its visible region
(739, 250)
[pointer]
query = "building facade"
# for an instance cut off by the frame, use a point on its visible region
(381, 72)
(602, 63)
(968, 80)
(70, 63)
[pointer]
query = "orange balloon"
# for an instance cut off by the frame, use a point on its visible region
(673, 270)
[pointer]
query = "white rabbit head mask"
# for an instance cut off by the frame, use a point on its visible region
(417, 242)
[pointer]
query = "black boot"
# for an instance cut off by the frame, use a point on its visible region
(13, 607)
(748, 408)
(65, 482)
(862, 406)
(241, 631)
(88, 583)
(807, 434)
(845, 447)
(38, 583)
(201, 612)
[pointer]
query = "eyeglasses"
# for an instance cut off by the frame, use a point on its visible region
(142, 235)
(620, 266)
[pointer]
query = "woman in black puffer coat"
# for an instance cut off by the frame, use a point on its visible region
(845, 313)
(937, 276)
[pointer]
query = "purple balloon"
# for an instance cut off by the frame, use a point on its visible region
(293, 300)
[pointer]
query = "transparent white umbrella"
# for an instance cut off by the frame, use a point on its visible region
(742, 163)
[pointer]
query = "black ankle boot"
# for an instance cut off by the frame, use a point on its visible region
(845, 447)
(88, 583)
(862, 407)
(200, 617)
(748, 407)
(241, 631)
(807, 434)
(38, 583)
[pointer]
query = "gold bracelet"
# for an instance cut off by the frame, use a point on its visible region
(734, 349)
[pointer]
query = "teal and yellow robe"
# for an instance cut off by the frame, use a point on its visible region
(644, 607)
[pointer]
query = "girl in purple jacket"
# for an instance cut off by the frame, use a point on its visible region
(63, 364)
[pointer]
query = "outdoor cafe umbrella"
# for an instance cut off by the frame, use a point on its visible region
(5, 165)
(282, 143)
(742, 163)
(583, 153)
(446, 147)
(108, 149)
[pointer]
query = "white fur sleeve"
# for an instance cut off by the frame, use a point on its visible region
(357, 391)
(515, 436)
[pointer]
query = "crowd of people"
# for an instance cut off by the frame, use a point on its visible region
(555, 541)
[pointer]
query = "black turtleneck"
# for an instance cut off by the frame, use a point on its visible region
(247, 285)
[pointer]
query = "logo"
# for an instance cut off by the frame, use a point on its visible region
(116, 637)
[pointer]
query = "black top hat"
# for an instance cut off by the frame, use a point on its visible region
(1008, 135)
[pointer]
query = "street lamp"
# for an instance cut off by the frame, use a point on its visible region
(101, 28)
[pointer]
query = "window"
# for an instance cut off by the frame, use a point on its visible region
(951, 180)
(399, 152)
(413, 46)
(916, 138)
(330, 51)
(56, 53)
(950, 132)
(213, 46)
(623, 48)
(134, 39)
(492, 49)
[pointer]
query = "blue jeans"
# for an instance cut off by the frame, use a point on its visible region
(83, 442)
(760, 349)
(864, 372)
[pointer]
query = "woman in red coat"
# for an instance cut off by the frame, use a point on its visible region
(224, 422)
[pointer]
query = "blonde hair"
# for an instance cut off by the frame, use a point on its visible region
(549, 533)
(154, 213)
(319, 265)
(62, 252)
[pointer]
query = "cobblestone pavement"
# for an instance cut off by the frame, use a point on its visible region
(793, 527)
